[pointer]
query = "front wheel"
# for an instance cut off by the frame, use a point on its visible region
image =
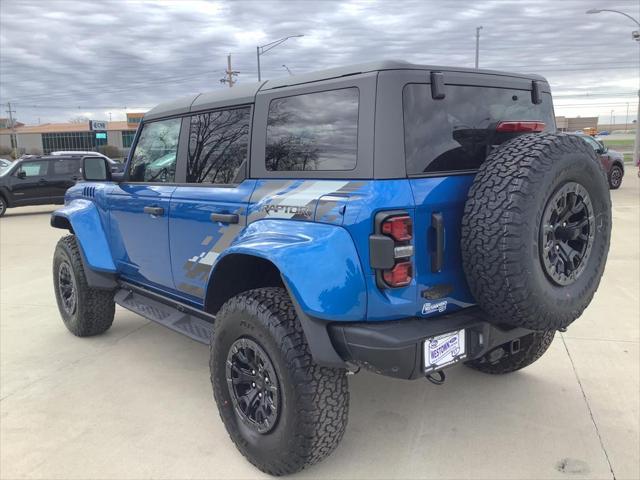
(3, 206)
(615, 177)
(281, 410)
(85, 311)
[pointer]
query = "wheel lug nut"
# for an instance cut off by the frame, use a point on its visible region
(266, 379)
(253, 384)
(253, 372)
(259, 395)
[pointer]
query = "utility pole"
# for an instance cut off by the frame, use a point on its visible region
(626, 119)
(636, 145)
(14, 137)
(478, 46)
(611, 120)
(230, 73)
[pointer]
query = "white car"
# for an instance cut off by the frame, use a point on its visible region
(115, 166)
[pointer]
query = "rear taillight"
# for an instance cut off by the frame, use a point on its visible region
(391, 249)
(520, 127)
(400, 275)
(399, 228)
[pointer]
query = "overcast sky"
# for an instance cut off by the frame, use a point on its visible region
(63, 58)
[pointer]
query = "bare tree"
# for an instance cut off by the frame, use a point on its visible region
(217, 145)
(79, 119)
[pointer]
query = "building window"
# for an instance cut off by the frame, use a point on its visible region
(127, 138)
(82, 141)
(314, 131)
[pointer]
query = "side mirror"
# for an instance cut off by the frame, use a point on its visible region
(21, 175)
(95, 169)
(117, 177)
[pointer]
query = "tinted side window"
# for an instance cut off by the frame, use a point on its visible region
(456, 133)
(218, 144)
(315, 131)
(154, 159)
(34, 169)
(66, 167)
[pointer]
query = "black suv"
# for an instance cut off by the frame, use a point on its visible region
(38, 180)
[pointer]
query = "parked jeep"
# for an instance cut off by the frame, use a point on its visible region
(392, 217)
(37, 180)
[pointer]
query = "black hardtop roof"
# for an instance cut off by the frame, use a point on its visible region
(245, 94)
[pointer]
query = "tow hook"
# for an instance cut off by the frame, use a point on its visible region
(437, 378)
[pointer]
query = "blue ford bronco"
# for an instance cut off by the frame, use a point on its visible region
(391, 217)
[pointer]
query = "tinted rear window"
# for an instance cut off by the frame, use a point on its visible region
(315, 131)
(456, 133)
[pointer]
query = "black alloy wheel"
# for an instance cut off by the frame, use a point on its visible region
(253, 385)
(615, 177)
(567, 233)
(67, 288)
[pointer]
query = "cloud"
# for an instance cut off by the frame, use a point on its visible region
(58, 55)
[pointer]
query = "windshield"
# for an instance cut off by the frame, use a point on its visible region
(4, 167)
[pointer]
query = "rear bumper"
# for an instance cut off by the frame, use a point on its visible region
(395, 348)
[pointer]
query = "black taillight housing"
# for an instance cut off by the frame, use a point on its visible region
(391, 249)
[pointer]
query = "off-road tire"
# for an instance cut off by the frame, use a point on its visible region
(95, 308)
(501, 230)
(3, 205)
(315, 399)
(500, 360)
(615, 177)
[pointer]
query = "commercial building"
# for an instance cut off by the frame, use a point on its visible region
(573, 124)
(49, 137)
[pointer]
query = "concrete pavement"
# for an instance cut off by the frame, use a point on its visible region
(137, 403)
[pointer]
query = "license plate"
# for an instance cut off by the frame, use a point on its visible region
(444, 350)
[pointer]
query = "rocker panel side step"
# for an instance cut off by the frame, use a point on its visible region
(177, 317)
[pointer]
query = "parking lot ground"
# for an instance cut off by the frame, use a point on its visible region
(137, 403)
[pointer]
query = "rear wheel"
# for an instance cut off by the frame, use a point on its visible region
(281, 410)
(3, 206)
(85, 311)
(506, 359)
(615, 177)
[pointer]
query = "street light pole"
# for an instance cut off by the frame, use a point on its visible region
(258, 57)
(478, 45)
(636, 36)
(262, 49)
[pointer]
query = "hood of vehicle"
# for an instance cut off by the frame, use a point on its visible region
(615, 154)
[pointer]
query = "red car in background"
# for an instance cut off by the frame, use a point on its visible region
(612, 161)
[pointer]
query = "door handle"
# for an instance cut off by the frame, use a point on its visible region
(224, 217)
(156, 211)
(437, 256)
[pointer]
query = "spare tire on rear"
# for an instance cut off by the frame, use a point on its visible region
(535, 231)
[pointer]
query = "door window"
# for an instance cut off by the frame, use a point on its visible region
(315, 131)
(218, 144)
(34, 169)
(154, 159)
